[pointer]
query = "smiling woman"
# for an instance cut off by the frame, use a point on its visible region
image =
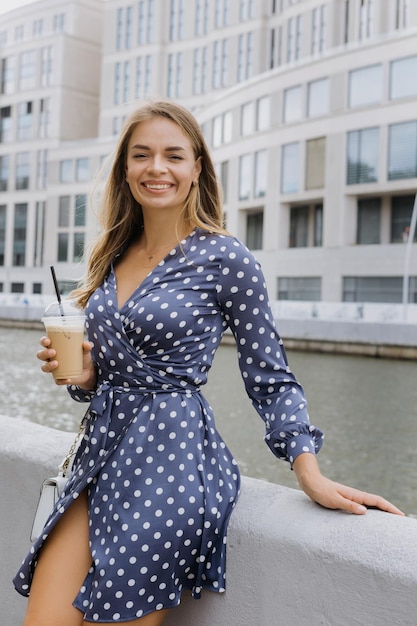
(153, 477)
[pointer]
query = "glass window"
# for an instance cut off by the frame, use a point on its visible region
(225, 63)
(254, 230)
(315, 163)
(290, 168)
(4, 172)
(217, 131)
(47, 56)
(298, 36)
(117, 82)
(6, 134)
(318, 225)
(293, 105)
(224, 177)
(148, 74)
(27, 70)
(7, 75)
(372, 289)
(80, 210)
(402, 151)
(66, 171)
(128, 33)
(196, 71)
(403, 78)
(300, 288)
(401, 212)
(369, 221)
(290, 39)
(44, 117)
(247, 119)
(37, 28)
(149, 23)
(64, 211)
(318, 98)
(263, 113)
(222, 129)
(245, 176)
(261, 173)
(17, 288)
(365, 86)
(298, 227)
(141, 22)
(24, 121)
(362, 157)
(19, 234)
(59, 23)
(126, 81)
(22, 170)
(39, 234)
(2, 232)
(227, 127)
(82, 169)
(63, 247)
(78, 247)
(41, 169)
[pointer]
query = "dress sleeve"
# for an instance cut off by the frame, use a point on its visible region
(80, 395)
(274, 390)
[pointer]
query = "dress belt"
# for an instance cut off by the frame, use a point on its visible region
(105, 393)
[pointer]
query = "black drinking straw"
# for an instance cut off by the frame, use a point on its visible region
(58, 294)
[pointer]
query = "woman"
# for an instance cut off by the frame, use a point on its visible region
(145, 513)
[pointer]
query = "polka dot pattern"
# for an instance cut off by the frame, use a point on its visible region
(161, 482)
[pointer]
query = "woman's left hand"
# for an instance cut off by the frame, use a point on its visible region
(333, 495)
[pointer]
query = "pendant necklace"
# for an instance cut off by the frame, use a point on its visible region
(168, 245)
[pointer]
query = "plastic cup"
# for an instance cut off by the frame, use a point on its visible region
(66, 332)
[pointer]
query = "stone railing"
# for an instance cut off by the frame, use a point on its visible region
(289, 560)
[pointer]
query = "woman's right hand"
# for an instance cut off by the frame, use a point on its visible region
(88, 378)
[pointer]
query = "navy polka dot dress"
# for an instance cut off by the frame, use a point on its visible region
(161, 482)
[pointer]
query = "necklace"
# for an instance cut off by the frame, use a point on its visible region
(151, 255)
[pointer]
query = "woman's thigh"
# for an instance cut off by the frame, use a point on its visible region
(153, 619)
(63, 564)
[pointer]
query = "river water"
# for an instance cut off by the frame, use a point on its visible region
(366, 406)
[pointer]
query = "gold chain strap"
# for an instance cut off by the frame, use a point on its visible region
(72, 450)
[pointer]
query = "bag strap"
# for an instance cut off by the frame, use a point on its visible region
(65, 466)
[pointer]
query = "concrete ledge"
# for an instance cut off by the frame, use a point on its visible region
(289, 560)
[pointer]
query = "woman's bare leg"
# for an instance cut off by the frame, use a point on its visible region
(153, 619)
(63, 564)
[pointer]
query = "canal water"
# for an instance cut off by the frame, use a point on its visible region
(366, 406)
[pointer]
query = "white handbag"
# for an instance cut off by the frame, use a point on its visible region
(52, 488)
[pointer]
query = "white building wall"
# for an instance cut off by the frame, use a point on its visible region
(319, 43)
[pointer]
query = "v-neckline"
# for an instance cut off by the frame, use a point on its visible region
(148, 275)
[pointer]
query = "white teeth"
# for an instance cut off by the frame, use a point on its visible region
(157, 186)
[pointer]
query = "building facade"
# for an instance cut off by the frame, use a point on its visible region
(309, 108)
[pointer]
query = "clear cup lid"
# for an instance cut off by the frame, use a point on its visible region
(67, 307)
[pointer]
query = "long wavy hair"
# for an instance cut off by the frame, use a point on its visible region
(120, 215)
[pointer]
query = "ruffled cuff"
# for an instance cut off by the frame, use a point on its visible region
(289, 449)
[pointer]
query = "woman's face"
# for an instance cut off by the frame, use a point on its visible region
(160, 165)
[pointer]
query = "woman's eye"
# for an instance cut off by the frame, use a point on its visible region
(176, 157)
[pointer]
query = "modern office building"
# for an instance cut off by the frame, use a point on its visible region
(309, 108)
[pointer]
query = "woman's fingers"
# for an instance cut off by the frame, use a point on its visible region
(337, 496)
(358, 501)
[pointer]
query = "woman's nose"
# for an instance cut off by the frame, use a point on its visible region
(157, 164)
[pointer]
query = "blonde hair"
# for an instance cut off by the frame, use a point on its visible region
(120, 215)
